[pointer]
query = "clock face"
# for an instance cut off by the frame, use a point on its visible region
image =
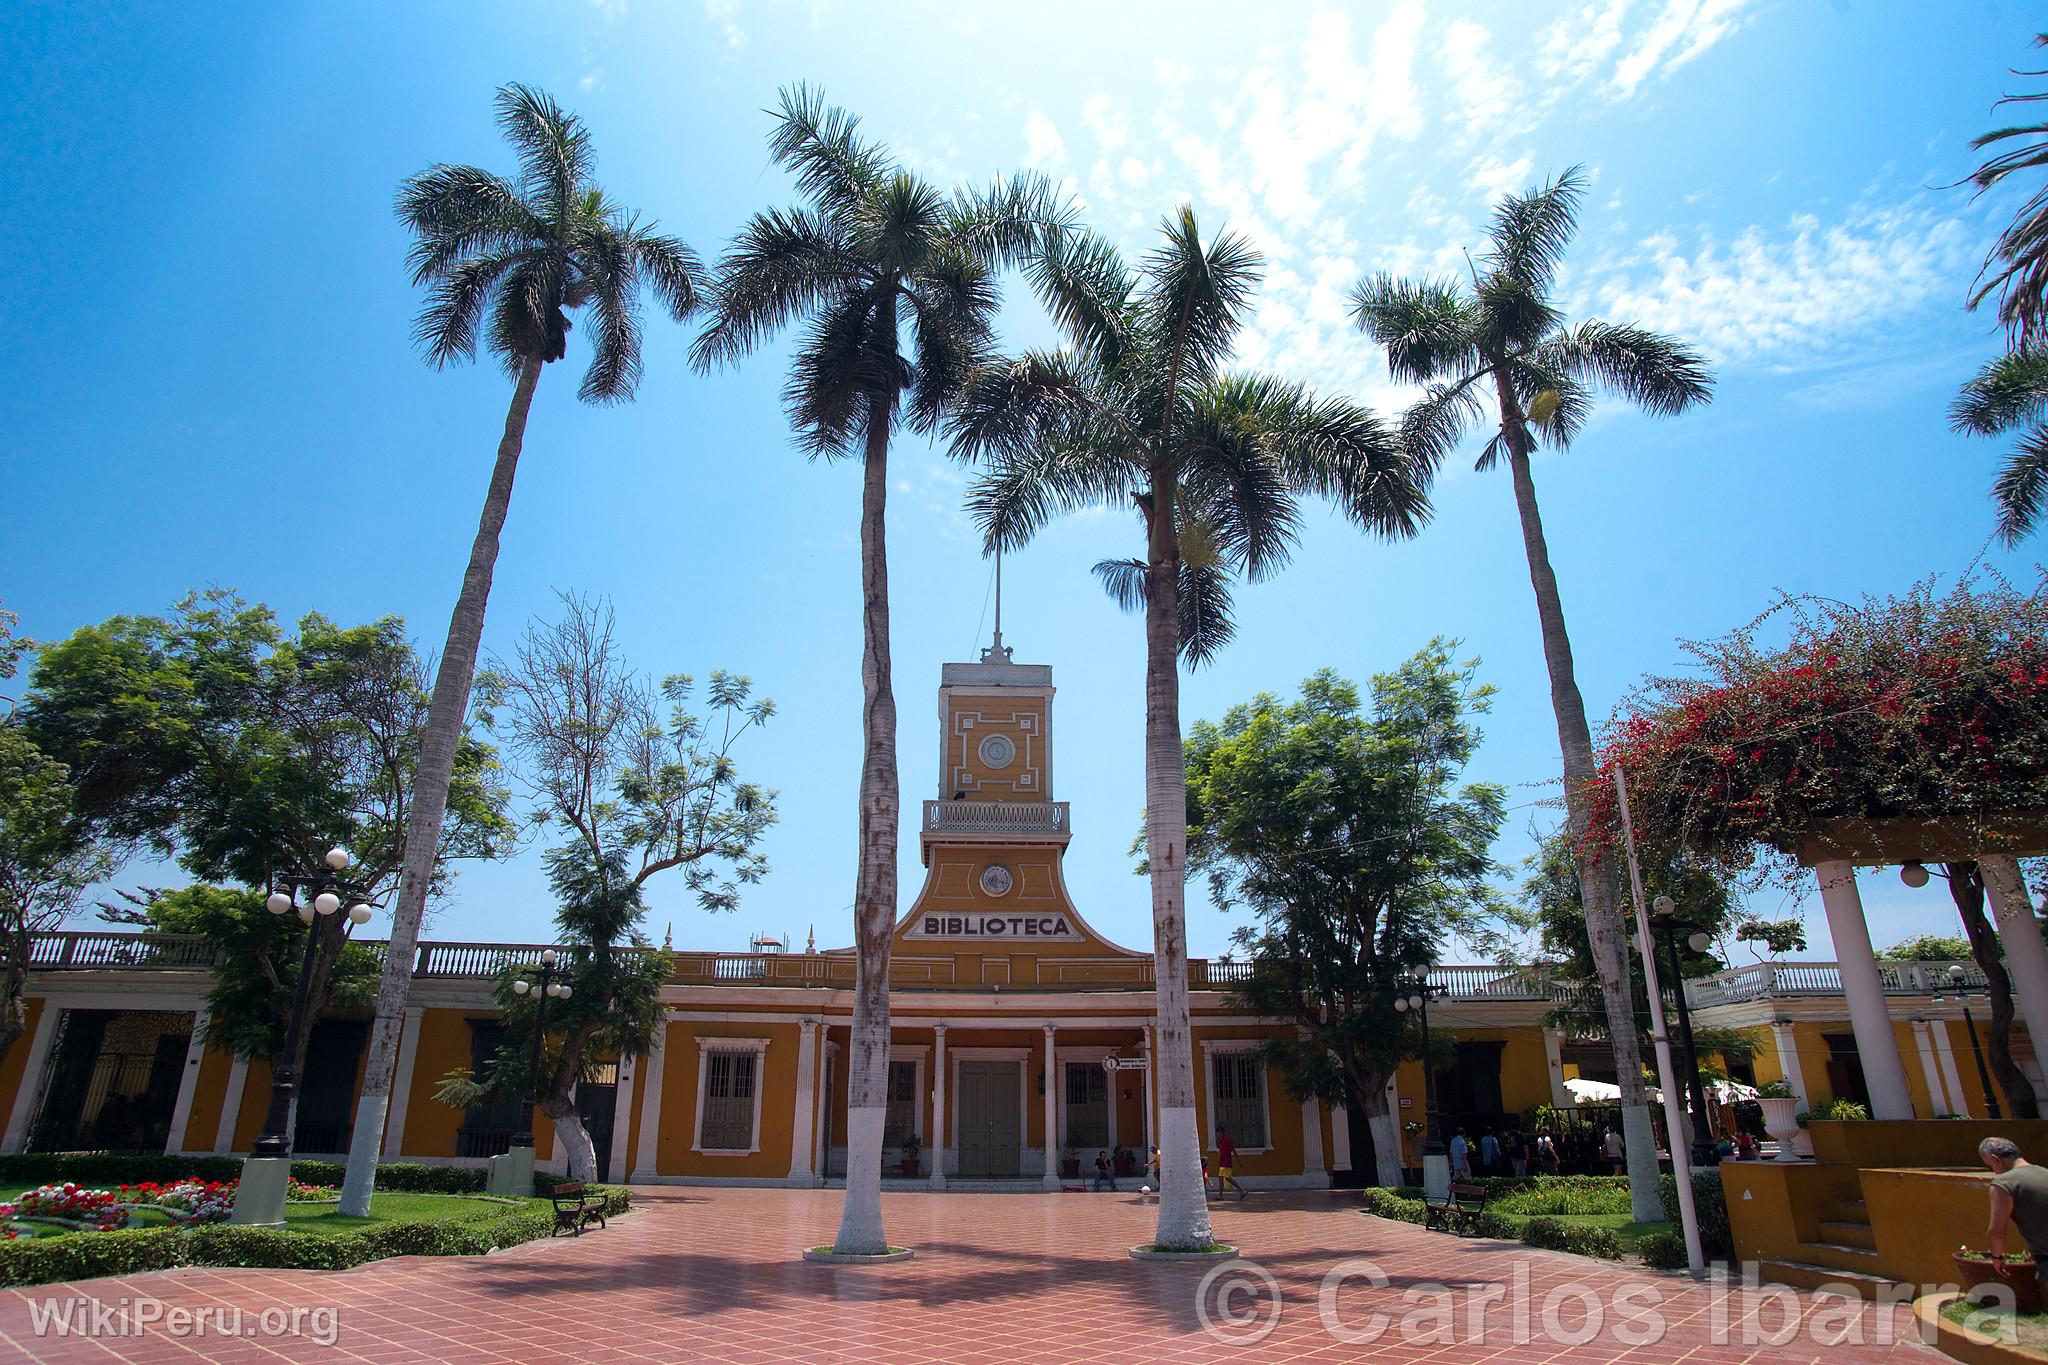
(996, 880)
(998, 751)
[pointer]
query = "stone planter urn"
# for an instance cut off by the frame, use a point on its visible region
(1780, 1123)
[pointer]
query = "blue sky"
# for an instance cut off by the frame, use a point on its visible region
(206, 377)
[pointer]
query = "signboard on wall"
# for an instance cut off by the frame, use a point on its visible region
(1003, 927)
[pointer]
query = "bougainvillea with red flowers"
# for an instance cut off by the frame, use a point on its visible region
(1921, 707)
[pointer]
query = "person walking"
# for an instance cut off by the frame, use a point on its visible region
(1489, 1152)
(1105, 1174)
(1226, 1164)
(1461, 1156)
(1546, 1155)
(2019, 1194)
(1612, 1150)
(1518, 1152)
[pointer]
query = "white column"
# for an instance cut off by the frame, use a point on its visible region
(1930, 1069)
(188, 1080)
(2026, 957)
(622, 1120)
(1316, 1174)
(801, 1126)
(231, 1106)
(1340, 1138)
(401, 1080)
(1877, 1048)
(1052, 1112)
(1949, 1074)
(1151, 1112)
(31, 1080)
(651, 1066)
(1553, 1059)
(1788, 1061)
(940, 1128)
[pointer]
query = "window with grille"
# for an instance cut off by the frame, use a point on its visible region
(902, 1117)
(1087, 1104)
(1237, 1096)
(729, 1101)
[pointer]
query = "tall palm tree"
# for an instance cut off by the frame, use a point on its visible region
(507, 261)
(2011, 394)
(1140, 410)
(895, 283)
(2017, 268)
(1499, 351)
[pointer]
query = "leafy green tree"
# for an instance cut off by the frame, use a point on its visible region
(1140, 411)
(1338, 820)
(215, 736)
(47, 859)
(895, 285)
(1498, 356)
(2011, 395)
(639, 784)
(1778, 936)
(1928, 948)
(507, 261)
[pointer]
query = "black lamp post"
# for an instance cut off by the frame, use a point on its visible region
(1413, 993)
(1956, 975)
(1704, 1153)
(551, 987)
(328, 890)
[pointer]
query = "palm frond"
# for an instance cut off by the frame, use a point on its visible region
(1434, 424)
(783, 265)
(820, 146)
(899, 224)
(2011, 391)
(610, 268)
(1511, 314)
(1014, 220)
(1659, 374)
(1530, 231)
(1196, 298)
(447, 325)
(1425, 326)
(2016, 268)
(846, 373)
(1229, 447)
(2022, 487)
(953, 341)
(455, 212)
(1084, 284)
(1124, 581)
(553, 146)
(1338, 450)
(527, 318)
(1042, 397)
(1018, 495)
(1205, 617)
(672, 270)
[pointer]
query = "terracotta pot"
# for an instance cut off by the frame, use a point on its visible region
(910, 1166)
(1780, 1123)
(1071, 1170)
(2026, 1290)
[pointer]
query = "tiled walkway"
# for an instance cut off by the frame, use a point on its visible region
(714, 1274)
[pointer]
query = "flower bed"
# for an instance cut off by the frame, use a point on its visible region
(59, 1209)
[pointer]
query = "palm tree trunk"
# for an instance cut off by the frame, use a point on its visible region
(1183, 1202)
(445, 713)
(13, 1012)
(1599, 888)
(874, 900)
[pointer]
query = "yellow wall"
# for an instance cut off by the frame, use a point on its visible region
(431, 1126)
(973, 719)
(16, 1062)
(777, 1080)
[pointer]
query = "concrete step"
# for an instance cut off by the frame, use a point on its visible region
(1839, 1257)
(1808, 1275)
(1846, 1211)
(1849, 1234)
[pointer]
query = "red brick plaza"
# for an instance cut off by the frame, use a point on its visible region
(714, 1274)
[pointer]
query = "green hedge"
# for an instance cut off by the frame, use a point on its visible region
(1662, 1250)
(1577, 1238)
(1717, 1241)
(31, 1169)
(86, 1255)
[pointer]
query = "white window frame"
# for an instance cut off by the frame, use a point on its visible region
(705, 1047)
(1090, 1054)
(1235, 1045)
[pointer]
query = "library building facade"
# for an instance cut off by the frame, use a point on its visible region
(1021, 1037)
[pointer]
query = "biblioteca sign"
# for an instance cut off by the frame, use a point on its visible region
(990, 926)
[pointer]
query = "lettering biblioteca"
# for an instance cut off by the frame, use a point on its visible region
(994, 926)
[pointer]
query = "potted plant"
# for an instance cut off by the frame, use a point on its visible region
(912, 1149)
(1070, 1163)
(1976, 1269)
(1781, 1116)
(1125, 1160)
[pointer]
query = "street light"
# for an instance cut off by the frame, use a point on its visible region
(550, 986)
(1956, 976)
(1704, 1152)
(1413, 993)
(259, 1196)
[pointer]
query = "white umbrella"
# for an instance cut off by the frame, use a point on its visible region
(1584, 1091)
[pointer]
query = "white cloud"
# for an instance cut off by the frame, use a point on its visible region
(725, 14)
(1044, 148)
(1489, 177)
(1682, 32)
(608, 10)
(1597, 41)
(592, 79)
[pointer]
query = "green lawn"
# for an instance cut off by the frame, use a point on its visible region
(2030, 1329)
(1629, 1232)
(393, 1206)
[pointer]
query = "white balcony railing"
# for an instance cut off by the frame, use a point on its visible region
(995, 817)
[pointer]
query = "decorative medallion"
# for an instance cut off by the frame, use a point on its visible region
(998, 751)
(996, 880)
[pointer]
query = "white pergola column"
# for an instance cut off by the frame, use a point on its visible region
(1553, 1061)
(2026, 956)
(188, 1081)
(401, 1081)
(1052, 1113)
(1946, 1055)
(31, 1088)
(801, 1126)
(1312, 1166)
(231, 1106)
(622, 1119)
(1788, 1061)
(1877, 1048)
(651, 1066)
(1930, 1068)
(940, 1127)
(1340, 1138)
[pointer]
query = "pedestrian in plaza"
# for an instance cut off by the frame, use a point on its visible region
(1105, 1174)
(1546, 1155)
(1489, 1152)
(1226, 1164)
(1612, 1151)
(1461, 1156)
(2019, 1193)
(1518, 1152)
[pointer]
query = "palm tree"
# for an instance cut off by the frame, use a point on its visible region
(2017, 268)
(2011, 394)
(896, 285)
(507, 261)
(1139, 409)
(1500, 351)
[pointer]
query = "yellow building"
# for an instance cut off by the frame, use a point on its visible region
(1021, 1036)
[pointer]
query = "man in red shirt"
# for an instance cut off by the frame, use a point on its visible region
(1226, 1158)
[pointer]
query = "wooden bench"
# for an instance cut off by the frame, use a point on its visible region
(1458, 1211)
(575, 1209)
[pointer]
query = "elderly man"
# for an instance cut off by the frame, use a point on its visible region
(2019, 1191)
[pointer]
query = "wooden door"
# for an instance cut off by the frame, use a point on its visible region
(990, 1128)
